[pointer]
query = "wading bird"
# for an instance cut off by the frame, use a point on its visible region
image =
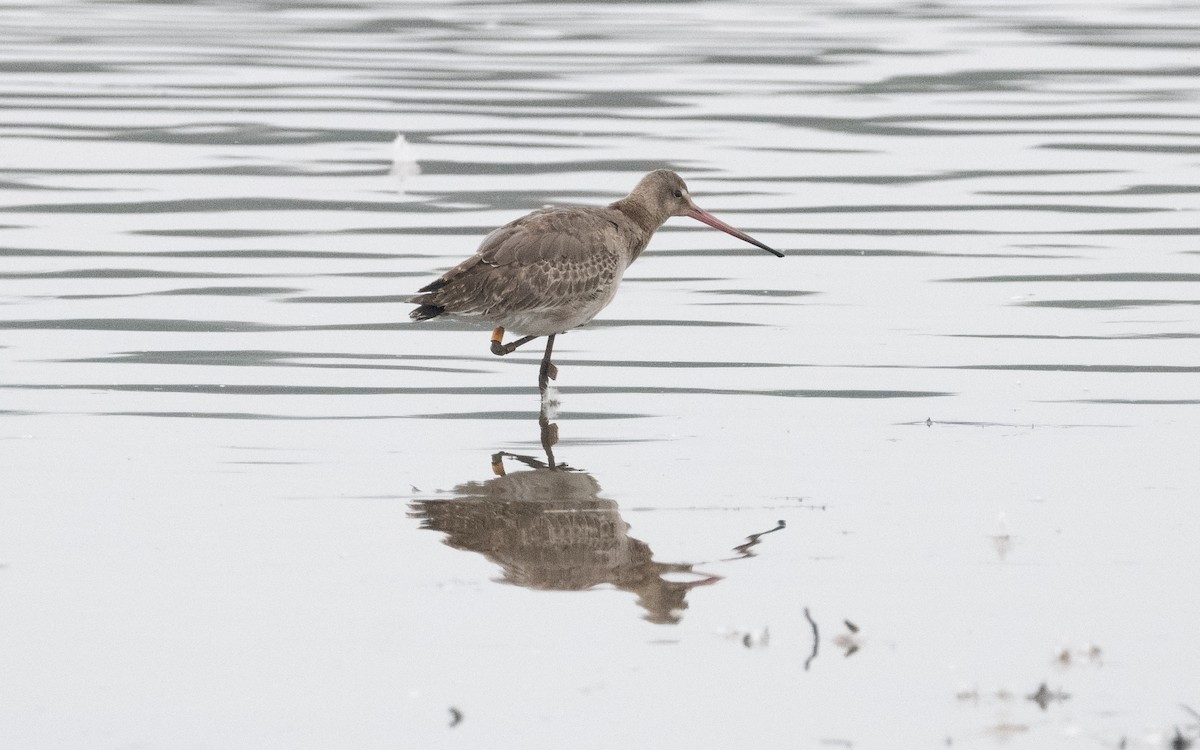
(555, 269)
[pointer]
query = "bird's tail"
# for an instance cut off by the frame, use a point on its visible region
(425, 312)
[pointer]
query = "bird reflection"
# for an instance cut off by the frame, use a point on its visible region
(547, 528)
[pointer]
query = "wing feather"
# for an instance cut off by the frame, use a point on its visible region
(539, 261)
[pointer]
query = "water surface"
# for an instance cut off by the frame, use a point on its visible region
(931, 476)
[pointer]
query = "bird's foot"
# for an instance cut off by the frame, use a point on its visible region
(500, 349)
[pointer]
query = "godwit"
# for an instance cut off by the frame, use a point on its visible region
(555, 269)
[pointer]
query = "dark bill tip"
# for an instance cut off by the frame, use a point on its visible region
(701, 215)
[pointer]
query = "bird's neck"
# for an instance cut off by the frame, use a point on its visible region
(639, 215)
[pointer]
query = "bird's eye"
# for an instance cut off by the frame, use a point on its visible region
(678, 193)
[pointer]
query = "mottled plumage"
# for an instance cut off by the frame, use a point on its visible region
(544, 273)
(555, 269)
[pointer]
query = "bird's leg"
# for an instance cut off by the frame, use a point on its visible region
(549, 431)
(500, 349)
(547, 371)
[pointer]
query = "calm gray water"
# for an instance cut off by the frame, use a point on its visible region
(930, 480)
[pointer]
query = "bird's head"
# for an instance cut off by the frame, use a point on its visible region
(664, 194)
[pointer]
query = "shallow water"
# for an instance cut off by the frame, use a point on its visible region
(887, 487)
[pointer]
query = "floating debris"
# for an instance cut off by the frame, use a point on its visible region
(1045, 696)
(456, 716)
(1002, 540)
(743, 549)
(1004, 730)
(404, 162)
(759, 638)
(1089, 654)
(850, 642)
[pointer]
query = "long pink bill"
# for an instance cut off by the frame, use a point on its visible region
(700, 214)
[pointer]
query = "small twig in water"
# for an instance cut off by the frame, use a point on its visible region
(816, 639)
